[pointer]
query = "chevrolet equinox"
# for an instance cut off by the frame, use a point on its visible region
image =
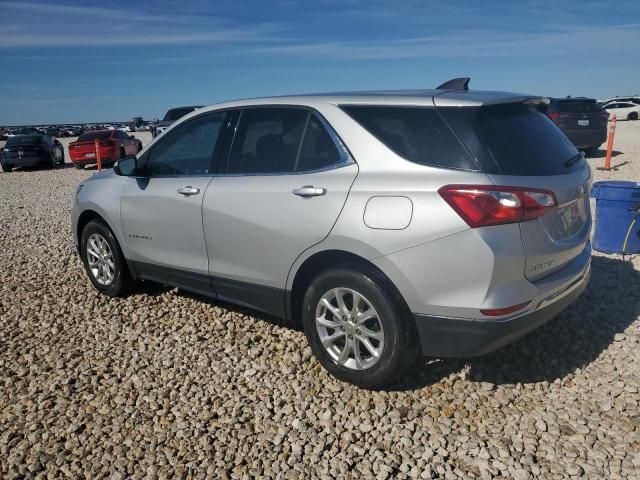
(388, 225)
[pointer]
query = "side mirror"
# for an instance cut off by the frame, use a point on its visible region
(126, 167)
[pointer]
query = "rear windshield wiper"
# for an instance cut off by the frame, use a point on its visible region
(574, 159)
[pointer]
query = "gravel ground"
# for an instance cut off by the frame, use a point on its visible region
(165, 384)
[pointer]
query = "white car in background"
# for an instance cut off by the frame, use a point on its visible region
(632, 99)
(623, 110)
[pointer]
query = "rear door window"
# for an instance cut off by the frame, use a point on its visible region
(417, 134)
(267, 141)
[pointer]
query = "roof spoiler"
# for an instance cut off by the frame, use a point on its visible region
(461, 83)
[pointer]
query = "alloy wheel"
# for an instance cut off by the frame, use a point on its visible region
(100, 259)
(350, 329)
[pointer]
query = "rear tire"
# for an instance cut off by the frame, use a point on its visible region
(58, 155)
(632, 116)
(590, 152)
(389, 330)
(123, 153)
(103, 260)
(79, 166)
(7, 167)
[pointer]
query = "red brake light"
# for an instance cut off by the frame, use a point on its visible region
(495, 312)
(554, 116)
(484, 205)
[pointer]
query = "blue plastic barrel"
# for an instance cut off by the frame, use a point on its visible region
(617, 206)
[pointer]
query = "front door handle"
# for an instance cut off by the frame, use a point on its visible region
(188, 191)
(307, 191)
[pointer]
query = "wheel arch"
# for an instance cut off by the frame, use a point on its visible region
(89, 214)
(324, 260)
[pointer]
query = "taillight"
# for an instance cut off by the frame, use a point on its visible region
(554, 116)
(484, 205)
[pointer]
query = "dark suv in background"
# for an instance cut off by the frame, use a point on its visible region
(582, 120)
(171, 116)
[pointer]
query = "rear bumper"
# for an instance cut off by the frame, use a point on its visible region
(26, 161)
(92, 161)
(453, 337)
(587, 138)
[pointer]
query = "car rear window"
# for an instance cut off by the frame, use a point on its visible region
(417, 134)
(86, 137)
(513, 139)
(578, 107)
(25, 140)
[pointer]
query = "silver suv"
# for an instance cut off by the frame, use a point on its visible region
(388, 225)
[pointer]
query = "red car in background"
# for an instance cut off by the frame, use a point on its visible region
(113, 144)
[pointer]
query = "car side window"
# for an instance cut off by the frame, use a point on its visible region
(267, 140)
(318, 149)
(188, 149)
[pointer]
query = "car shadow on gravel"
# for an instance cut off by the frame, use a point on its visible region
(156, 289)
(603, 153)
(571, 341)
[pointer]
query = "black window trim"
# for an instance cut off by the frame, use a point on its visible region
(345, 155)
(478, 168)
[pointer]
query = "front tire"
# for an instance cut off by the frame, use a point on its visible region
(103, 260)
(632, 116)
(358, 328)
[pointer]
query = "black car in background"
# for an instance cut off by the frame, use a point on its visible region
(31, 151)
(171, 116)
(582, 120)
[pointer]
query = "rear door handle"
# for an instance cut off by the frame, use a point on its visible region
(188, 191)
(307, 191)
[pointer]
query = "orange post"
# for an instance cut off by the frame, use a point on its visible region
(98, 159)
(612, 133)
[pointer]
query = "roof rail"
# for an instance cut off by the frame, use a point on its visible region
(455, 84)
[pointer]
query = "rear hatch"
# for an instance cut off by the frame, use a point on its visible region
(85, 146)
(578, 115)
(516, 144)
(582, 120)
(23, 146)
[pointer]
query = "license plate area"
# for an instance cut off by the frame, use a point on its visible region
(583, 123)
(90, 155)
(567, 220)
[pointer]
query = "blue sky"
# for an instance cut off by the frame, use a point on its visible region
(107, 61)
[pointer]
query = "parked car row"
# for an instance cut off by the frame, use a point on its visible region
(62, 131)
